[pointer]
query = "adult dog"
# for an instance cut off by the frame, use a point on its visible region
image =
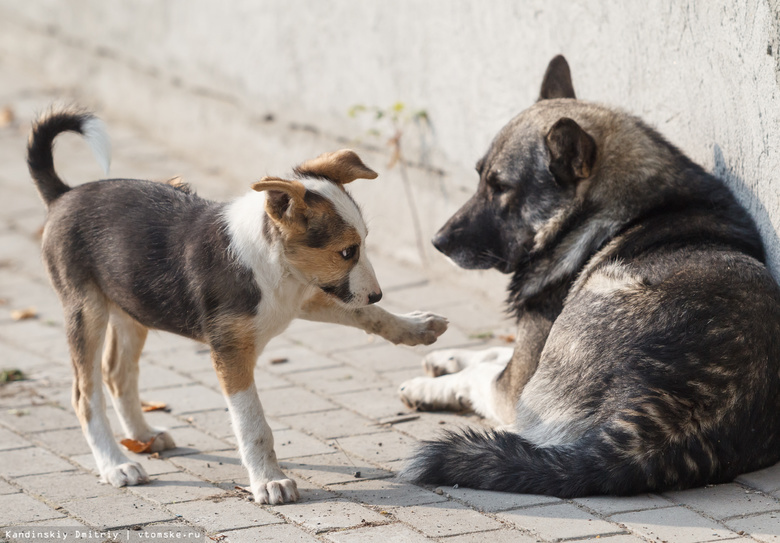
(648, 341)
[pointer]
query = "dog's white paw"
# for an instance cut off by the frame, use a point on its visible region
(275, 492)
(418, 328)
(127, 474)
(430, 394)
(442, 362)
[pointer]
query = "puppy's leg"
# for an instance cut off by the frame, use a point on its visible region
(234, 357)
(474, 388)
(124, 342)
(86, 320)
(447, 361)
(416, 328)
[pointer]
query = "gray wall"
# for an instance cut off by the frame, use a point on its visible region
(252, 87)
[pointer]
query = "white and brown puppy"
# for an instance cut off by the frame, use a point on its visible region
(126, 256)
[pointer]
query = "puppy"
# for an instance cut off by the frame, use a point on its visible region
(126, 256)
(647, 354)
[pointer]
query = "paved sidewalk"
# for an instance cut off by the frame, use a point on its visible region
(329, 393)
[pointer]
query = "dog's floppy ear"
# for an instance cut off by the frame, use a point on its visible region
(572, 151)
(285, 199)
(342, 166)
(557, 80)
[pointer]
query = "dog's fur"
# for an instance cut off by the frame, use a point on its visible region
(647, 350)
(126, 256)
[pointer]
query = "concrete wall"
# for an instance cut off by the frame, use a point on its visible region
(253, 87)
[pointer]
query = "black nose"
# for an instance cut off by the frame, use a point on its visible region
(440, 242)
(374, 297)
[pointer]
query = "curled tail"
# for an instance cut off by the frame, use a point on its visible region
(40, 159)
(507, 462)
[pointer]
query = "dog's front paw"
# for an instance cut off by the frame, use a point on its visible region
(442, 362)
(419, 328)
(275, 492)
(127, 474)
(429, 394)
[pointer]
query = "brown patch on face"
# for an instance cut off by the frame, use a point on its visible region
(233, 352)
(342, 166)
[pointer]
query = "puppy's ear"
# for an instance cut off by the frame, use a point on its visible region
(572, 151)
(285, 200)
(342, 166)
(557, 80)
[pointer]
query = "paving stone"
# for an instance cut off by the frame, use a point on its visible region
(7, 488)
(190, 440)
(292, 401)
(11, 440)
(381, 447)
(20, 508)
(380, 357)
(445, 519)
(331, 424)
(189, 399)
(621, 538)
(488, 501)
(265, 380)
(213, 466)
(153, 376)
(218, 514)
(724, 501)
(30, 461)
(610, 505)
(767, 479)
(765, 528)
(387, 493)
(387, 533)
(153, 466)
(39, 418)
(66, 485)
(673, 524)
(175, 488)
(294, 444)
(215, 421)
(337, 379)
(329, 515)
(335, 338)
(275, 533)
(123, 510)
(69, 442)
(332, 468)
(559, 521)
(297, 358)
(498, 536)
(375, 403)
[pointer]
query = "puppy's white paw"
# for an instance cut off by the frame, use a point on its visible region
(418, 328)
(442, 362)
(429, 394)
(275, 492)
(127, 474)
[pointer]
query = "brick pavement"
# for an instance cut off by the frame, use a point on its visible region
(332, 405)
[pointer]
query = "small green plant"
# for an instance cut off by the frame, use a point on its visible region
(398, 117)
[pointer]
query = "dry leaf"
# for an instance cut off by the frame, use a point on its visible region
(155, 455)
(138, 446)
(280, 360)
(23, 314)
(153, 406)
(509, 338)
(6, 116)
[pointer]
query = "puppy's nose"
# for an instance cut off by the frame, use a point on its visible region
(440, 242)
(374, 297)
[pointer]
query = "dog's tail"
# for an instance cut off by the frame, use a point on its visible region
(505, 461)
(40, 159)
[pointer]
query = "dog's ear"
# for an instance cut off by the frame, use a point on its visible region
(572, 151)
(557, 80)
(285, 200)
(342, 166)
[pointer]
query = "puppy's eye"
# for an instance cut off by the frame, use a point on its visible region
(349, 253)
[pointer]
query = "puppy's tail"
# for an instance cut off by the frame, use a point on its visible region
(40, 159)
(505, 461)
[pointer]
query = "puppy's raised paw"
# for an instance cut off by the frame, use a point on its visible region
(275, 492)
(127, 474)
(418, 328)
